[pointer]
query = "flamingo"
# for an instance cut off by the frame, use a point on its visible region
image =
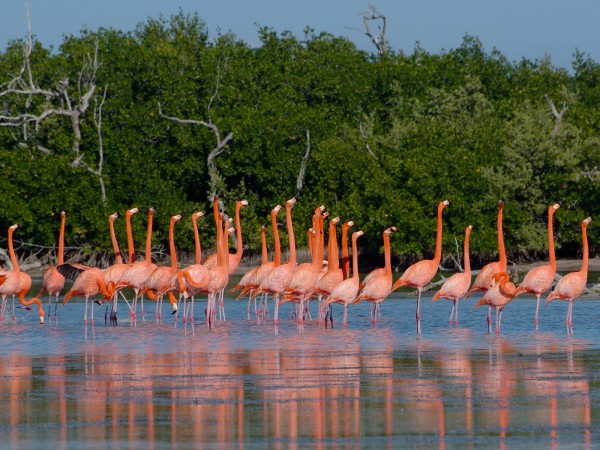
(219, 275)
(89, 281)
(421, 272)
(115, 271)
(455, 287)
(380, 284)
(264, 269)
(14, 282)
(334, 274)
(345, 292)
(53, 281)
(500, 294)
(194, 278)
(279, 278)
(161, 280)
(484, 277)
(306, 275)
(233, 260)
(539, 279)
(572, 285)
(139, 272)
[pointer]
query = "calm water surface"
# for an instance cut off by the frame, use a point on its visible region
(64, 385)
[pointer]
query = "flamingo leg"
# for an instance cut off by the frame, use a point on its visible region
(452, 312)
(300, 315)
(456, 313)
(85, 311)
(276, 314)
(489, 320)
(418, 314)
(537, 310)
(55, 307)
(345, 319)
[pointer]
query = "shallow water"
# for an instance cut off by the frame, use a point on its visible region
(240, 385)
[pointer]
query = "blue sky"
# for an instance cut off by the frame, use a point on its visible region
(518, 28)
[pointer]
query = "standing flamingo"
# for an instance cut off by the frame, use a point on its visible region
(194, 278)
(161, 280)
(115, 271)
(484, 277)
(219, 275)
(233, 260)
(455, 287)
(539, 279)
(379, 285)
(421, 272)
(572, 284)
(53, 281)
(279, 278)
(306, 275)
(346, 292)
(14, 282)
(264, 269)
(89, 281)
(500, 294)
(139, 272)
(334, 274)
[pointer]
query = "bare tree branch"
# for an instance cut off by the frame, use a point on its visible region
(557, 115)
(300, 180)
(377, 39)
(366, 131)
(213, 172)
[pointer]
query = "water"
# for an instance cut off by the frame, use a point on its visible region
(65, 385)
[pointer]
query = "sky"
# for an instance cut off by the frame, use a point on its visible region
(531, 29)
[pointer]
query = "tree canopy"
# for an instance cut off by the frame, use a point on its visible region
(166, 115)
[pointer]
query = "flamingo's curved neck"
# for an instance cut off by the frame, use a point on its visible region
(387, 251)
(501, 248)
(148, 257)
(277, 257)
(238, 231)
(354, 257)
(172, 250)
(11, 252)
(130, 248)
(345, 255)
(438, 240)
(113, 239)
(584, 262)
(551, 238)
(197, 240)
(466, 252)
(61, 240)
(291, 239)
(263, 245)
(333, 261)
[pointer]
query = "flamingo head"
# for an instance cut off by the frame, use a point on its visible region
(336, 220)
(586, 222)
(63, 214)
(277, 209)
(244, 202)
(176, 218)
(555, 206)
(349, 224)
(197, 215)
(291, 202)
(13, 227)
(500, 204)
(113, 217)
(131, 212)
(357, 234)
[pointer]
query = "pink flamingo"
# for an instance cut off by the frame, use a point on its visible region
(139, 272)
(194, 278)
(455, 287)
(421, 272)
(334, 274)
(219, 275)
(14, 282)
(89, 281)
(115, 271)
(264, 269)
(379, 285)
(161, 280)
(500, 294)
(279, 278)
(53, 281)
(306, 275)
(572, 285)
(483, 280)
(539, 279)
(345, 293)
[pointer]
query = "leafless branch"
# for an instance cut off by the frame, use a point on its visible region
(378, 39)
(300, 180)
(215, 178)
(366, 131)
(557, 115)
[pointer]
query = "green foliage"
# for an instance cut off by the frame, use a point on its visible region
(390, 137)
